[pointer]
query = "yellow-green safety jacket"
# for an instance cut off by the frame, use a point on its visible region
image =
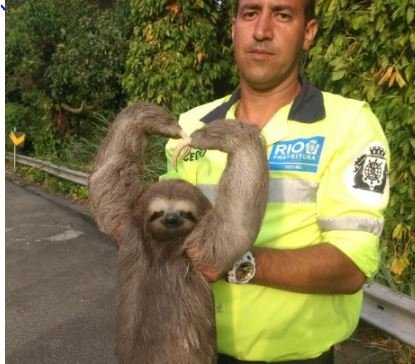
(328, 173)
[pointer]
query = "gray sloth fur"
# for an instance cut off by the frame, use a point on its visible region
(165, 307)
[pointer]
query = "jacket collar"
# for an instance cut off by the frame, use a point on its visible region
(308, 106)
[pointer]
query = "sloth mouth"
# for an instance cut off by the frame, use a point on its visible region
(170, 226)
(172, 221)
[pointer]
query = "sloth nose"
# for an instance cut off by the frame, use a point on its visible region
(172, 219)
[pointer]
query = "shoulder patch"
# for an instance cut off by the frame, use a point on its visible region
(370, 170)
(302, 155)
(367, 177)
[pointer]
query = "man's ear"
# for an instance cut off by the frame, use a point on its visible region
(310, 33)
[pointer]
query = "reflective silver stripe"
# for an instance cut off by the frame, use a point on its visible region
(280, 190)
(367, 224)
(210, 191)
(292, 190)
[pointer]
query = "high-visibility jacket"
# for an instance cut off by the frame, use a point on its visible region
(328, 160)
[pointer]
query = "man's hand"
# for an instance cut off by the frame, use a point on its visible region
(207, 270)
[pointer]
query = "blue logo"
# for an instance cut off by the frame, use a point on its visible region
(302, 155)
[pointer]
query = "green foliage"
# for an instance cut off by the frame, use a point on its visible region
(175, 58)
(17, 116)
(79, 151)
(179, 57)
(29, 121)
(155, 164)
(34, 175)
(88, 66)
(64, 61)
(51, 183)
(365, 50)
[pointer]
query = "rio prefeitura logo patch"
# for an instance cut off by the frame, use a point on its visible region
(301, 155)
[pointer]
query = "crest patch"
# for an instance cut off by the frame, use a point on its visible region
(370, 170)
(366, 177)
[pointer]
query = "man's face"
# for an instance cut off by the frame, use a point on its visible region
(269, 37)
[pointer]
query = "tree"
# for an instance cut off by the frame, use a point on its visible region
(64, 61)
(175, 58)
(365, 50)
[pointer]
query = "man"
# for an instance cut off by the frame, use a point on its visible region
(328, 189)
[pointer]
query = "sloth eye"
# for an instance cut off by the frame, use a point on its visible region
(187, 215)
(156, 215)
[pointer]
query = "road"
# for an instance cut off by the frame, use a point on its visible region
(60, 282)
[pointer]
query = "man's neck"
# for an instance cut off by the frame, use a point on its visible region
(258, 107)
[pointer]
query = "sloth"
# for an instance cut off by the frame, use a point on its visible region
(165, 308)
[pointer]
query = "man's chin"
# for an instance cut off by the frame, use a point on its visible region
(263, 84)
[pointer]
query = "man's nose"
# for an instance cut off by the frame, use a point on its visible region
(263, 27)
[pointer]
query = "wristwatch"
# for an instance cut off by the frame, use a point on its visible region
(243, 270)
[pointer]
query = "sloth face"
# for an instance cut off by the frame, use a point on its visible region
(169, 218)
(170, 209)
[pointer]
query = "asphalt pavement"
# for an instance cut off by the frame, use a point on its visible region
(60, 285)
(60, 282)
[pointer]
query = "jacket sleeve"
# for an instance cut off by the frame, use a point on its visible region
(354, 191)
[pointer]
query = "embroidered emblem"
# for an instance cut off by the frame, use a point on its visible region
(301, 155)
(370, 170)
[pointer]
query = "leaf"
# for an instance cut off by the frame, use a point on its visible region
(392, 80)
(200, 57)
(397, 232)
(200, 4)
(399, 79)
(173, 8)
(410, 15)
(386, 76)
(371, 92)
(399, 264)
(338, 75)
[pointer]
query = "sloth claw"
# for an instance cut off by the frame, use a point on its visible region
(183, 148)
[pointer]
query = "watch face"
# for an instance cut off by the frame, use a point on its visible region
(244, 271)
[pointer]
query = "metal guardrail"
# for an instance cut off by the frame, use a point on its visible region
(59, 171)
(383, 308)
(390, 311)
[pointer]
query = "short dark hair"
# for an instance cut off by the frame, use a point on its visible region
(309, 9)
